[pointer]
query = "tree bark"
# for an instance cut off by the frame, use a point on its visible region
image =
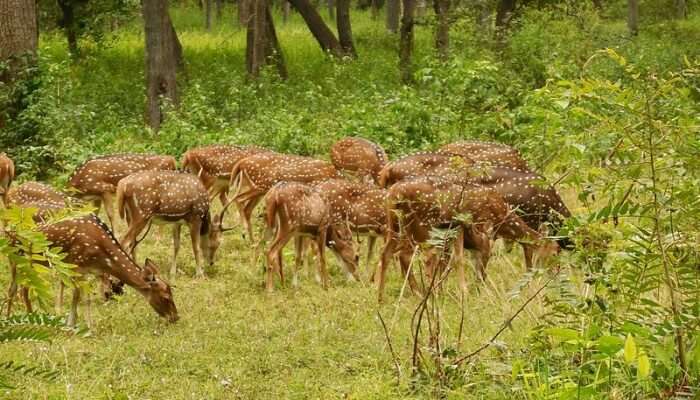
(18, 43)
(243, 12)
(681, 9)
(285, 10)
(163, 57)
(67, 22)
(331, 8)
(345, 28)
(442, 28)
(219, 9)
(324, 36)
(406, 42)
(262, 45)
(633, 17)
(375, 8)
(504, 13)
(393, 11)
(207, 14)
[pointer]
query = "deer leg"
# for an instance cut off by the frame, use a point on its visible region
(405, 258)
(528, 254)
(195, 228)
(248, 214)
(371, 243)
(73, 316)
(387, 254)
(321, 246)
(24, 293)
(274, 257)
(108, 200)
(59, 297)
(177, 228)
(298, 258)
(128, 241)
(459, 260)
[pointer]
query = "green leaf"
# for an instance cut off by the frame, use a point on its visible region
(563, 334)
(643, 366)
(630, 349)
(609, 345)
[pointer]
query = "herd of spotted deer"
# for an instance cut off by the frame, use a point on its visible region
(481, 190)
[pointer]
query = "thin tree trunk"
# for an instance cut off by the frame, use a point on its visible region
(681, 9)
(18, 43)
(262, 45)
(375, 8)
(345, 28)
(324, 36)
(67, 22)
(163, 55)
(393, 11)
(442, 29)
(243, 12)
(421, 8)
(285, 10)
(331, 8)
(406, 42)
(504, 13)
(633, 17)
(207, 16)
(219, 9)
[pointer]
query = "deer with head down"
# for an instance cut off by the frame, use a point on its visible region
(7, 175)
(96, 179)
(422, 164)
(359, 156)
(417, 206)
(256, 174)
(169, 197)
(491, 153)
(361, 206)
(47, 200)
(91, 246)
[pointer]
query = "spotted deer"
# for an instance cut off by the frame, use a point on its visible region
(7, 175)
(361, 206)
(296, 210)
(168, 197)
(90, 245)
(421, 164)
(256, 174)
(358, 156)
(491, 153)
(96, 179)
(418, 205)
(47, 200)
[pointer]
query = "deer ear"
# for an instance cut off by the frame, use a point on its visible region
(150, 271)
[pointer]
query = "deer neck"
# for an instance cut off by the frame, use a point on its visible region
(125, 269)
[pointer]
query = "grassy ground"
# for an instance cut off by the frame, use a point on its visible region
(235, 341)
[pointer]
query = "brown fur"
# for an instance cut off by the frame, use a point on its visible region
(358, 156)
(7, 175)
(492, 153)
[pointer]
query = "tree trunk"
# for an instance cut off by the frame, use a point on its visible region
(406, 42)
(393, 10)
(442, 29)
(207, 14)
(285, 10)
(324, 36)
(219, 9)
(681, 9)
(67, 22)
(331, 9)
(345, 28)
(421, 8)
(163, 57)
(18, 42)
(375, 8)
(504, 13)
(633, 17)
(262, 44)
(243, 12)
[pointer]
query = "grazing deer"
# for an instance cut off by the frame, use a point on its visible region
(256, 174)
(7, 175)
(47, 201)
(492, 153)
(359, 205)
(90, 245)
(418, 205)
(296, 210)
(421, 164)
(96, 180)
(359, 156)
(168, 197)
(213, 165)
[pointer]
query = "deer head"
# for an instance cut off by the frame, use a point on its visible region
(158, 292)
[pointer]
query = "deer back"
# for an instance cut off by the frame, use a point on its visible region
(422, 164)
(264, 170)
(216, 161)
(102, 174)
(358, 155)
(496, 154)
(297, 206)
(359, 204)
